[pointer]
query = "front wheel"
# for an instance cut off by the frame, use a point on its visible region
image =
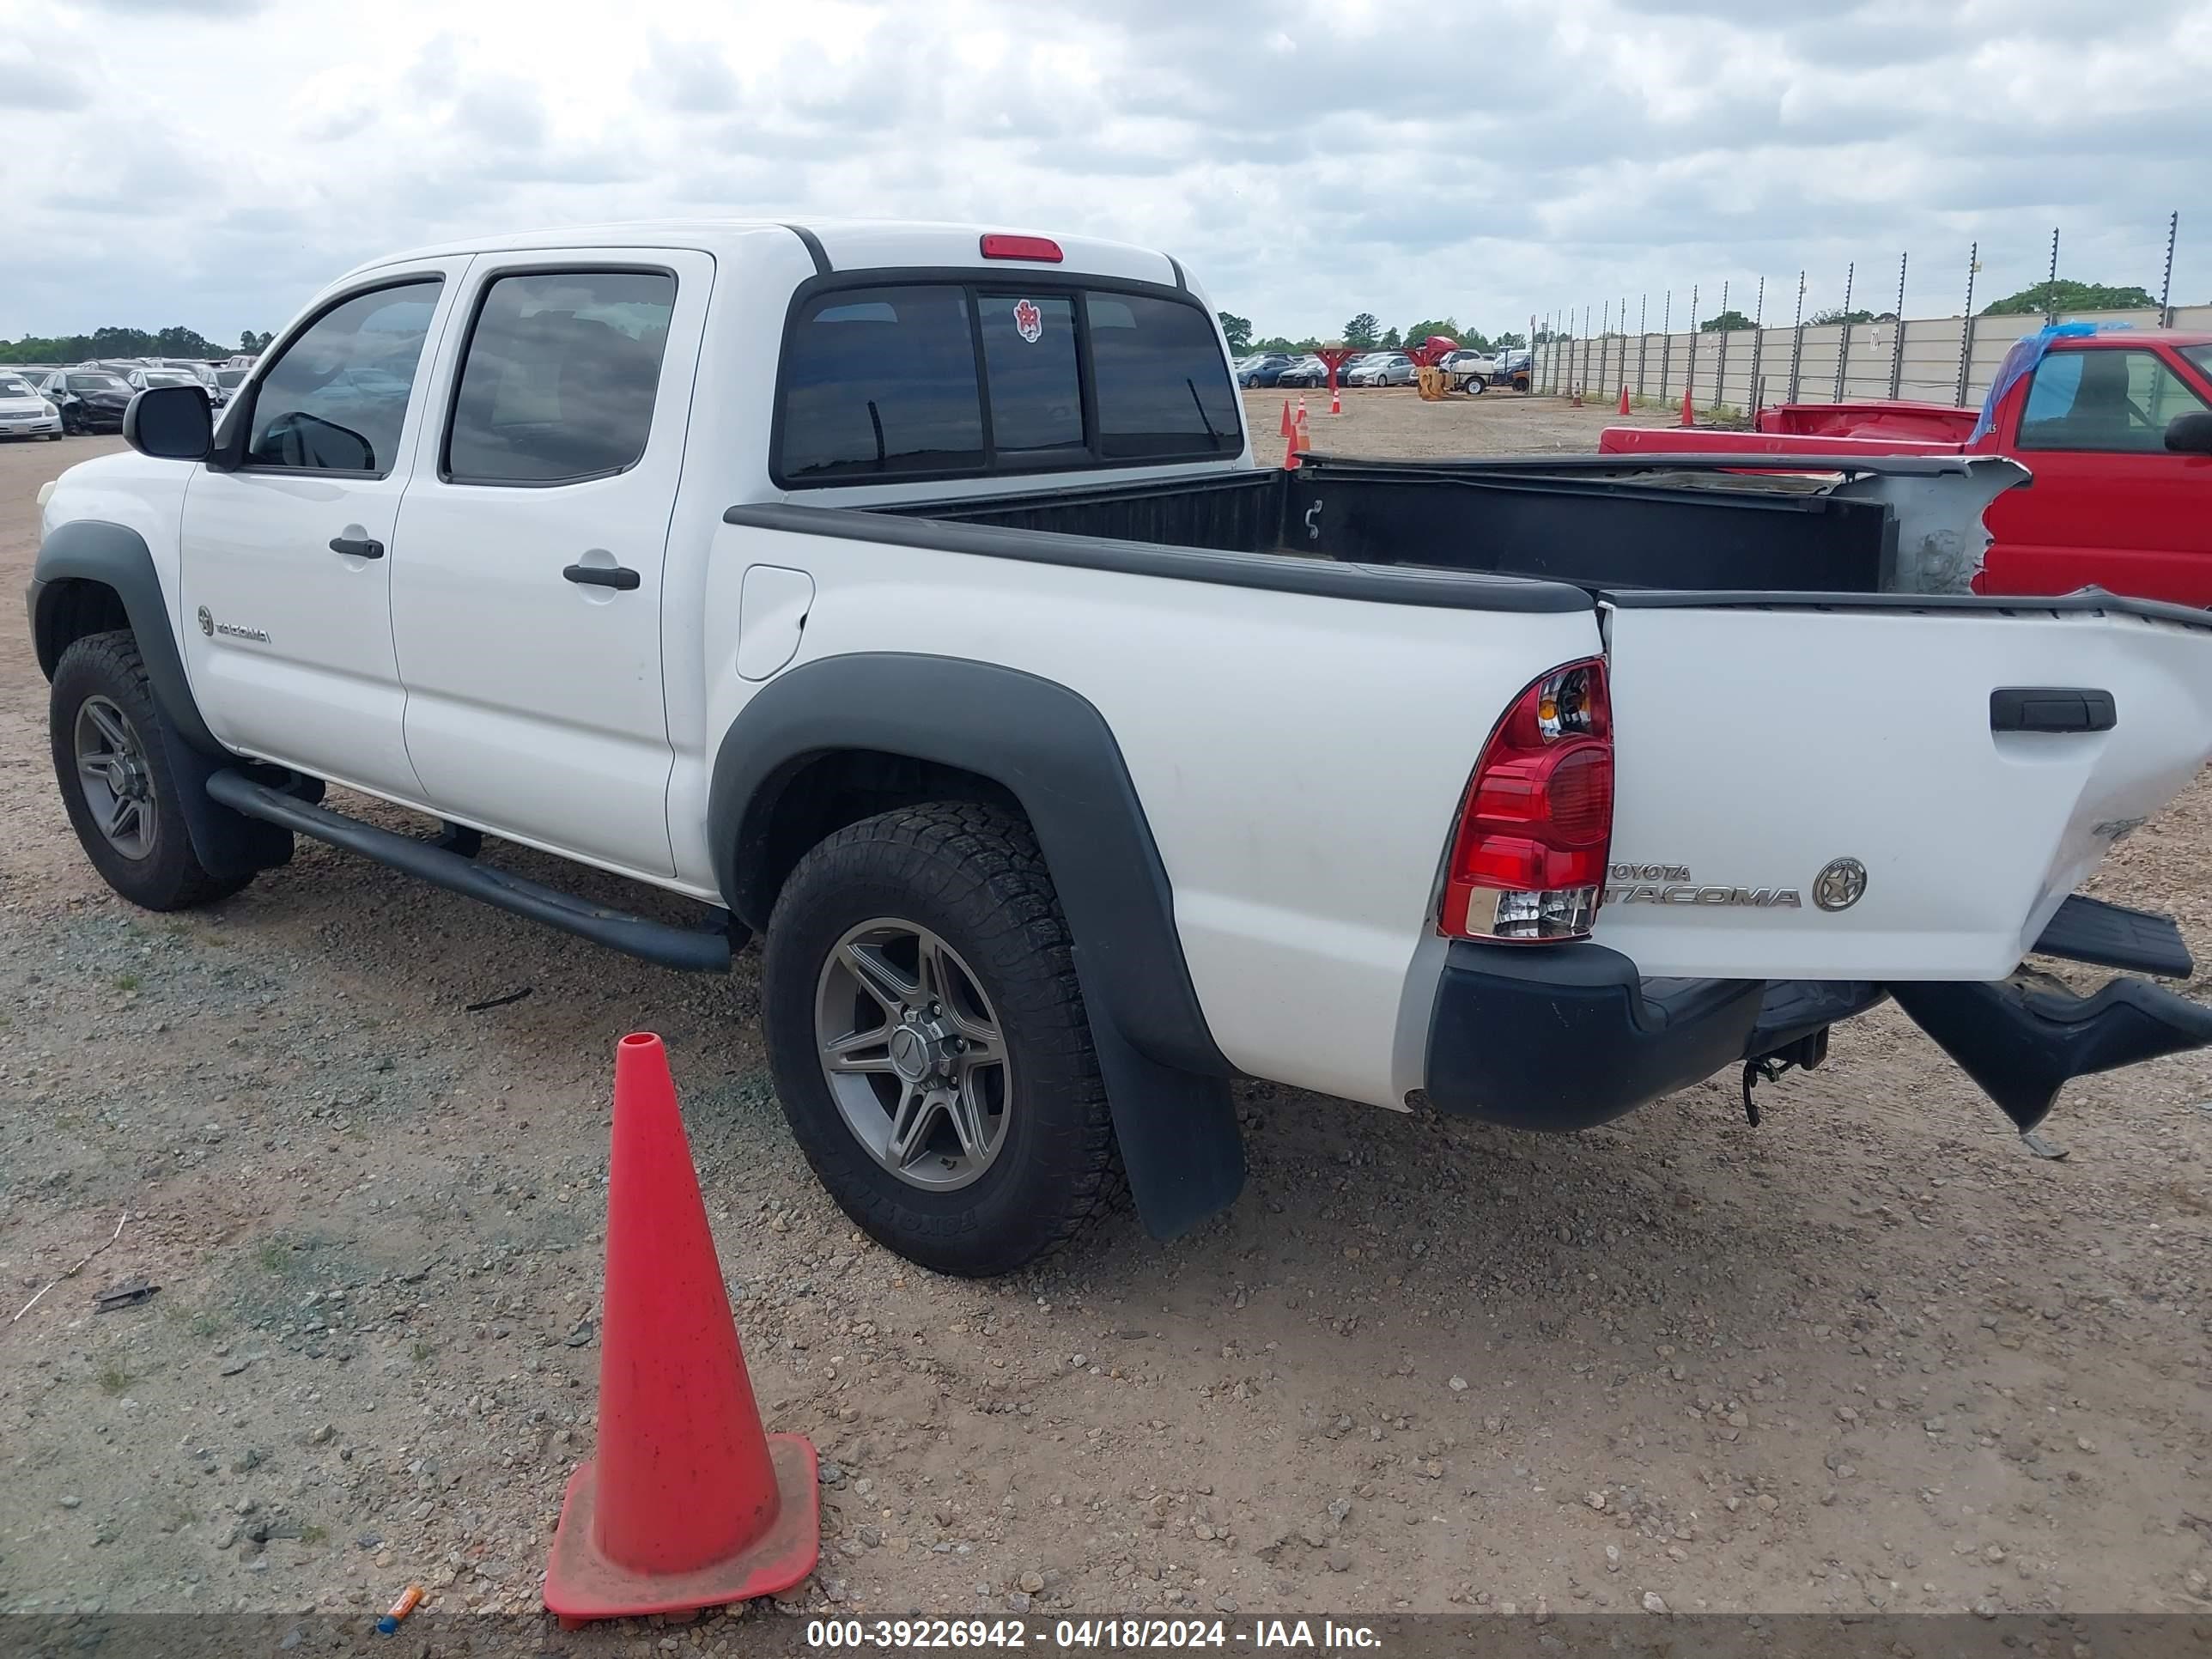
(929, 1041)
(107, 737)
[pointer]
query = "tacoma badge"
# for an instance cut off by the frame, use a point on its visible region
(1672, 883)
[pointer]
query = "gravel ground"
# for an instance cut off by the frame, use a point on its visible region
(1871, 1355)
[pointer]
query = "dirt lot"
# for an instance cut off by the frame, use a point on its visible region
(1872, 1354)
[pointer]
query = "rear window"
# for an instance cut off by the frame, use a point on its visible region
(949, 379)
(1162, 393)
(880, 383)
(1037, 392)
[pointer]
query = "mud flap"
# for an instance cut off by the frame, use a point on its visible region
(2022, 1047)
(227, 844)
(1181, 1146)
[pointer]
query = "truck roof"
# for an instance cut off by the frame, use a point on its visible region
(848, 244)
(2120, 338)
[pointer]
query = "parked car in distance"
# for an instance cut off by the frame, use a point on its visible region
(1264, 368)
(89, 399)
(1380, 368)
(139, 379)
(1306, 371)
(24, 410)
(228, 379)
(2116, 428)
(202, 372)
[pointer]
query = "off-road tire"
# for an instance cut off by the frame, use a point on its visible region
(973, 875)
(169, 876)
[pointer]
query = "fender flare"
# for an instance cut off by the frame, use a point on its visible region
(116, 557)
(1052, 750)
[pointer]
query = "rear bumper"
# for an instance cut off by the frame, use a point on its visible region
(1562, 1037)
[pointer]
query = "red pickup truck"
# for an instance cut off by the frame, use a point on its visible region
(2116, 427)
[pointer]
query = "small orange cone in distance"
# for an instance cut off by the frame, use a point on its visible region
(1624, 398)
(1689, 409)
(1304, 437)
(688, 1504)
(1287, 428)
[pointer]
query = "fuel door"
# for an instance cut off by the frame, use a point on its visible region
(772, 607)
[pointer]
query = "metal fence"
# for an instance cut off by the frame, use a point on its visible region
(1945, 360)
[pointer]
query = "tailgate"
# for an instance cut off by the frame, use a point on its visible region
(1880, 789)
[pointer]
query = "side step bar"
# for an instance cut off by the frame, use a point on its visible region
(705, 951)
(2111, 936)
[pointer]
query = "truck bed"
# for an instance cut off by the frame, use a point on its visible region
(1601, 522)
(1939, 426)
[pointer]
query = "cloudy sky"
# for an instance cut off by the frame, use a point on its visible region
(210, 162)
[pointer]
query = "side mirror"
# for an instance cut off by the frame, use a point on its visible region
(171, 422)
(2190, 435)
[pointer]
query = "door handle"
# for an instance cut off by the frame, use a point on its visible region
(2052, 708)
(365, 547)
(618, 576)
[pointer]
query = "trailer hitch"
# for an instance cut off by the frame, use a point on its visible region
(1803, 1054)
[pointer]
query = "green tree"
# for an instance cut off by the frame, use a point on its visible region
(1836, 314)
(1236, 329)
(1726, 323)
(176, 341)
(1509, 341)
(1390, 339)
(1362, 330)
(2066, 295)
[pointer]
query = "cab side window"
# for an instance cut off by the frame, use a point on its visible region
(2114, 401)
(560, 377)
(336, 398)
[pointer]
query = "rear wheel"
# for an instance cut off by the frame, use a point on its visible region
(107, 737)
(929, 1040)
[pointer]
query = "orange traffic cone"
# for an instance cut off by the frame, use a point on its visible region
(1624, 398)
(1302, 408)
(1290, 436)
(1303, 439)
(1689, 409)
(688, 1504)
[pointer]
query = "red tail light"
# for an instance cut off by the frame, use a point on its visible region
(997, 246)
(1529, 861)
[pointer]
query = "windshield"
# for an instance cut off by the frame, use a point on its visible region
(96, 383)
(229, 379)
(12, 387)
(168, 377)
(2200, 356)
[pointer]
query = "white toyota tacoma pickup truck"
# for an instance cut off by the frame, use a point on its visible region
(907, 596)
